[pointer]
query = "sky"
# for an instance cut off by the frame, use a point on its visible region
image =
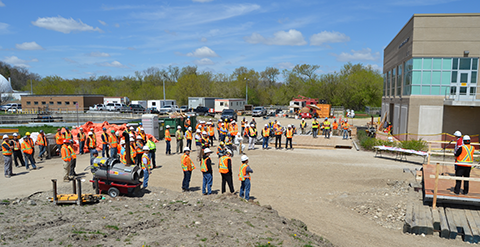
(81, 39)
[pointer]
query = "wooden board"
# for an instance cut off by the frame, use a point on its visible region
(444, 228)
(473, 226)
(451, 224)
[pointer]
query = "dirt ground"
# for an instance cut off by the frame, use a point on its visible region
(348, 197)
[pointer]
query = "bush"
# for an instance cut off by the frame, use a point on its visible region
(417, 145)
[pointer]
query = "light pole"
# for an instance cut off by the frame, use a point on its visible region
(246, 91)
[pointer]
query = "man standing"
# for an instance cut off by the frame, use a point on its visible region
(326, 128)
(113, 142)
(198, 143)
(244, 124)
(42, 143)
(206, 169)
(139, 148)
(266, 136)
(105, 143)
(73, 161)
(223, 131)
(233, 129)
(221, 149)
(252, 137)
(244, 177)
(345, 127)
(168, 139)
(17, 151)
(27, 149)
(315, 126)
(67, 158)
(225, 169)
(211, 132)
(187, 167)
(289, 135)
(153, 148)
(187, 123)
(189, 137)
(91, 143)
(81, 140)
(335, 128)
(7, 152)
(179, 137)
(303, 126)
(146, 166)
(464, 157)
(278, 136)
(59, 139)
(67, 134)
(458, 140)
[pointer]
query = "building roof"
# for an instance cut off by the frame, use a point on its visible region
(63, 95)
(229, 99)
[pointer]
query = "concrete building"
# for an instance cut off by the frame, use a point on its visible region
(431, 75)
(60, 103)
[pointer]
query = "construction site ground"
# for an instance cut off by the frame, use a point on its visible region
(346, 196)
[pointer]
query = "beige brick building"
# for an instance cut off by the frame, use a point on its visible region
(60, 102)
(431, 75)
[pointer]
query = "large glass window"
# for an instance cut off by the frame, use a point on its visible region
(384, 84)
(465, 63)
(407, 77)
(394, 78)
(437, 63)
(399, 80)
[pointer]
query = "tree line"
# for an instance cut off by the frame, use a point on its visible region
(354, 86)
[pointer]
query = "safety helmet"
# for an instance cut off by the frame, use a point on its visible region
(5, 136)
(190, 128)
(178, 127)
(207, 150)
(90, 133)
(457, 134)
(222, 143)
(229, 151)
(186, 149)
(204, 133)
(41, 131)
(198, 131)
(15, 134)
(27, 134)
(112, 131)
(168, 126)
(122, 142)
(244, 158)
(139, 137)
(145, 148)
(466, 138)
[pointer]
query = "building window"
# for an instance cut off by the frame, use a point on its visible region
(51, 102)
(35, 102)
(465, 63)
(29, 103)
(67, 102)
(59, 102)
(389, 73)
(221, 103)
(394, 78)
(154, 103)
(75, 102)
(399, 80)
(44, 103)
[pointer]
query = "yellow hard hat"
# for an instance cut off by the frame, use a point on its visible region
(222, 143)
(27, 134)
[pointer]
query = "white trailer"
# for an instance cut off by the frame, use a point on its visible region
(140, 102)
(160, 103)
(121, 100)
(234, 104)
(208, 102)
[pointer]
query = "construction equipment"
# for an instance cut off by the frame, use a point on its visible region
(76, 198)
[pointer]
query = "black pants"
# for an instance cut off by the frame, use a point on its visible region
(278, 140)
(462, 171)
(189, 144)
(286, 143)
(17, 154)
(138, 159)
(72, 167)
(227, 178)
(211, 140)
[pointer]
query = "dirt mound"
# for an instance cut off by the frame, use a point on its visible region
(160, 218)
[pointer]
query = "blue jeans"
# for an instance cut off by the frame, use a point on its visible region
(315, 132)
(207, 183)
(82, 146)
(345, 134)
(221, 137)
(145, 178)
(245, 187)
(265, 142)
(113, 152)
(327, 133)
(91, 154)
(42, 150)
(27, 158)
(104, 150)
(168, 151)
(186, 179)
(151, 155)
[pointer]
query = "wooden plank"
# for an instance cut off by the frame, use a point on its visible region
(444, 228)
(462, 225)
(476, 219)
(451, 224)
(435, 187)
(455, 178)
(422, 220)
(473, 226)
(407, 227)
(428, 227)
(436, 219)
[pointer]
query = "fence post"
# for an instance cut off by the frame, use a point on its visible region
(435, 188)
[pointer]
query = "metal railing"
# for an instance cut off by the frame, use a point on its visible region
(462, 96)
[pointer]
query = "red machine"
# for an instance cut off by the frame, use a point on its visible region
(114, 189)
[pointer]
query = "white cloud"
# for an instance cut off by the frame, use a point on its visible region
(30, 46)
(285, 65)
(3, 28)
(203, 39)
(202, 1)
(63, 25)
(115, 64)
(203, 61)
(328, 37)
(376, 67)
(98, 54)
(103, 23)
(117, 25)
(202, 52)
(19, 62)
(2, 4)
(361, 55)
(292, 37)
(68, 60)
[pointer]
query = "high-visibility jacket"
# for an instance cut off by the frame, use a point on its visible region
(210, 130)
(16, 145)
(315, 124)
(223, 164)
(220, 149)
(66, 154)
(242, 175)
(59, 138)
(303, 124)
(205, 142)
(148, 164)
(278, 130)
(326, 125)
(133, 152)
(252, 131)
(345, 126)
(289, 133)
(233, 129)
(72, 152)
(187, 123)
(266, 132)
(123, 155)
(188, 135)
(6, 149)
(139, 147)
(203, 167)
(167, 135)
(81, 136)
(27, 146)
(228, 141)
(187, 163)
(151, 145)
(223, 130)
(143, 135)
(68, 136)
(335, 125)
(41, 140)
(199, 126)
(466, 157)
(113, 141)
(104, 138)
(244, 123)
(91, 143)
(179, 135)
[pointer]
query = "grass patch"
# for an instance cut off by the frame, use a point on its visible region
(248, 223)
(112, 227)
(47, 129)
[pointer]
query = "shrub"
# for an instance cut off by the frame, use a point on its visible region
(417, 145)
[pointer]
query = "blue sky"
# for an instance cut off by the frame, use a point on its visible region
(78, 39)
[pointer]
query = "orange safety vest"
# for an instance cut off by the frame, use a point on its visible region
(243, 123)
(149, 162)
(187, 123)
(133, 152)
(105, 138)
(6, 152)
(139, 148)
(188, 135)
(91, 143)
(59, 138)
(27, 146)
(223, 164)
(199, 126)
(204, 165)
(113, 141)
(211, 131)
(143, 135)
(81, 136)
(346, 126)
(187, 164)
(335, 125)
(278, 130)
(41, 140)
(72, 152)
(233, 129)
(16, 145)
(223, 129)
(266, 132)
(167, 135)
(66, 155)
(289, 133)
(242, 175)
(123, 155)
(466, 157)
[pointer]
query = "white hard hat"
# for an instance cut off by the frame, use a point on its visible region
(186, 149)
(209, 123)
(466, 138)
(233, 121)
(91, 129)
(289, 126)
(15, 134)
(90, 133)
(303, 118)
(142, 129)
(266, 125)
(202, 121)
(139, 137)
(178, 127)
(198, 131)
(252, 125)
(190, 128)
(81, 128)
(229, 151)
(278, 122)
(207, 150)
(168, 126)
(5, 136)
(457, 134)
(244, 158)
(204, 133)
(145, 148)
(131, 139)
(131, 128)
(122, 142)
